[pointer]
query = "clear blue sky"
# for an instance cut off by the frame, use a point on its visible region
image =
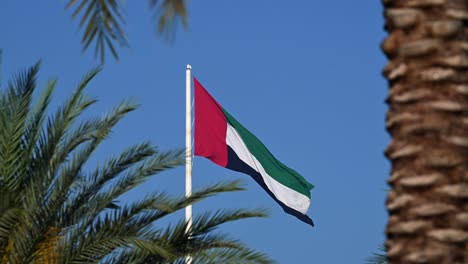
(304, 76)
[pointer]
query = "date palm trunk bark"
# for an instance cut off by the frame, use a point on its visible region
(427, 48)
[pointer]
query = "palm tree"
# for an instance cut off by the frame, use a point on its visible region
(427, 118)
(52, 210)
(103, 21)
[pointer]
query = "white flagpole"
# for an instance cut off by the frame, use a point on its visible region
(188, 150)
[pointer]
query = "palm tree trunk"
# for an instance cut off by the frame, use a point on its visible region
(427, 47)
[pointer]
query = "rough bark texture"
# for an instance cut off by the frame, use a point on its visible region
(427, 47)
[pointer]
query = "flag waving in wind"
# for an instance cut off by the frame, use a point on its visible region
(223, 140)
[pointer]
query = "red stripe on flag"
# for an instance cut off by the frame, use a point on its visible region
(210, 127)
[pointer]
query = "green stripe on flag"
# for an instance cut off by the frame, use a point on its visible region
(275, 168)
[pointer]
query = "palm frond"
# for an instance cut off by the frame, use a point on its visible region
(14, 107)
(8, 219)
(142, 214)
(209, 221)
(1, 63)
(141, 168)
(102, 22)
(168, 13)
(51, 150)
(100, 248)
(126, 256)
(109, 171)
(203, 226)
(230, 255)
(36, 119)
(378, 258)
(161, 204)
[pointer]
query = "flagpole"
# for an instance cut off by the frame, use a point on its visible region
(188, 150)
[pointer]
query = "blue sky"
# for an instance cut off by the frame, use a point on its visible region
(303, 76)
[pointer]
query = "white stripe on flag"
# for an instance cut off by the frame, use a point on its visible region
(288, 196)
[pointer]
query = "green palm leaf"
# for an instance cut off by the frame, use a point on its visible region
(378, 258)
(102, 22)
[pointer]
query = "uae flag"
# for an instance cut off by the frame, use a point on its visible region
(223, 140)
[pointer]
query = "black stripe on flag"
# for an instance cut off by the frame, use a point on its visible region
(236, 164)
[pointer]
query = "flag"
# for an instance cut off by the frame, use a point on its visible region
(223, 140)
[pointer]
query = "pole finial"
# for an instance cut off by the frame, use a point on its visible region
(189, 67)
